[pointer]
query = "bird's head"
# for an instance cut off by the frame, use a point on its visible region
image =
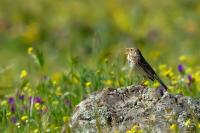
(132, 51)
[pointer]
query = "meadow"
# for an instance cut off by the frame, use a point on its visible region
(55, 53)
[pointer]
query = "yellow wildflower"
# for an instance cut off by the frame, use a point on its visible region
(173, 127)
(37, 106)
(199, 125)
(134, 129)
(174, 81)
(162, 67)
(170, 87)
(146, 82)
(179, 90)
(188, 122)
(35, 131)
(188, 70)
(30, 51)
(119, 82)
(58, 91)
(54, 83)
(30, 92)
(116, 131)
(197, 76)
(8, 114)
(4, 103)
(26, 87)
(182, 58)
(56, 77)
(108, 82)
(65, 119)
(88, 84)
(24, 118)
(168, 73)
(44, 108)
(23, 74)
(179, 77)
(156, 84)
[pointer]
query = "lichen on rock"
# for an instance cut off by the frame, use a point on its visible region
(121, 109)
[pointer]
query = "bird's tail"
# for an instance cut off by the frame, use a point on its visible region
(162, 83)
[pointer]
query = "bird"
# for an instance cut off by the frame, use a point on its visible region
(138, 63)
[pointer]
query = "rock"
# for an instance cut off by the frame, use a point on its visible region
(147, 109)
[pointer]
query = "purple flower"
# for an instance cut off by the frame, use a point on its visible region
(21, 97)
(191, 79)
(37, 100)
(180, 68)
(13, 119)
(11, 100)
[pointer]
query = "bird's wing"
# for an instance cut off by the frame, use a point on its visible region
(147, 68)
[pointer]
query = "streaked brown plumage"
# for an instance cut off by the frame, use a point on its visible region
(138, 63)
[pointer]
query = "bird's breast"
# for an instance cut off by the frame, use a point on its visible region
(131, 61)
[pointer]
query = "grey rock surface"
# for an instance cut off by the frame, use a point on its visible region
(120, 109)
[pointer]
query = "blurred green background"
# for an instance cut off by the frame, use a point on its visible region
(88, 31)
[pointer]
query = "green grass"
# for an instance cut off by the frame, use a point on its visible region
(78, 48)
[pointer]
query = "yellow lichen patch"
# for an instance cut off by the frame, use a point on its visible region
(173, 127)
(135, 129)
